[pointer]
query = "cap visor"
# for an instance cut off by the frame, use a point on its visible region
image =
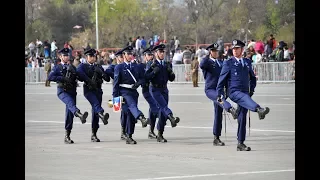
(235, 46)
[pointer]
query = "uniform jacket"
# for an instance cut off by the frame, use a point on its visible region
(238, 78)
(211, 72)
(122, 76)
(162, 77)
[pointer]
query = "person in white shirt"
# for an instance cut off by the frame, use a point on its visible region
(54, 49)
(176, 43)
(177, 57)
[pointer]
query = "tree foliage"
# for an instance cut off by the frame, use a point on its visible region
(201, 21)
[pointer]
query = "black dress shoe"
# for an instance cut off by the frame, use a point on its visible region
(123, 134)
(217, 141)
(94, 137)
(82, 117)
(233, 112)
(152, 135)
(67, 139)
(160, 137)
(243, 147)
(173, 120)
(143, 120)
(262, 112)
(104, 117)
(130, 140)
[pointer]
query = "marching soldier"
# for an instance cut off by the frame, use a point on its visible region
(211, 67)
(124, 111)
(65, 75)
(238, 73)
(158, 73)
(127, 78)
(153, 108)
(93, 75)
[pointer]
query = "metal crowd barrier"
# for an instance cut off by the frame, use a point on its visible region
(269, 72)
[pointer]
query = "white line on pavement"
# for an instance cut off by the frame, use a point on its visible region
(183, 127)
(217, 174)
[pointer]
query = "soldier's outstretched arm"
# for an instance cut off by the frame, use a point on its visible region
(204, 63)
(224, 74)
(105, 76)
(81, 73)
(110, 71)
(171, 74)
(55, 75)
(142, 78)
(116, 81)
(149, 74)
(253, 79)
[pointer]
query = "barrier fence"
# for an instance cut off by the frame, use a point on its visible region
(268, 72)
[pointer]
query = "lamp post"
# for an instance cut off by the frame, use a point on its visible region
(97, 31)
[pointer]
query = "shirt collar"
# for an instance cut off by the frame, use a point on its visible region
(237, 59)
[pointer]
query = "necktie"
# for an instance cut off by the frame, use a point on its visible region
(241, 61)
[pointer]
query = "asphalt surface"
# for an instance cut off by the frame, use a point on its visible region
(188, 154)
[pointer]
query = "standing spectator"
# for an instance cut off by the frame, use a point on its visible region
(143, 43)
(220, 47)
(195, 71)
(70, 52)
(279, 55)
(171, 46)
(270, 45)
(176, 43)
(177, 58)
(138, 48)
(286, 54)
(200, 53)
(228, 53)
(47, 68)
(32, 48)
(38, 45)
(186, 56)
(54, 49)
(151, 42)
(77, 58)
(258, 46)
(46, 49)
(130, 42)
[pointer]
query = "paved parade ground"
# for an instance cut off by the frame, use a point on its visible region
(188, 154)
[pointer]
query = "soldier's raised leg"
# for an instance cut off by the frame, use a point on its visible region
(70, 101)
(132, 106)
(212, 94)
(162, 99)
(96, 106)
(244, 100)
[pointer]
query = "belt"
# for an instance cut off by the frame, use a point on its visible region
(129, 86)
(159, 85)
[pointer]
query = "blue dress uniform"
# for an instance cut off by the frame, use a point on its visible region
(65, 75)
(127, 78)
(92, 75)
(158, 73)
(211, 69)
(125, 113)
(153, 108)
(238, 74)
